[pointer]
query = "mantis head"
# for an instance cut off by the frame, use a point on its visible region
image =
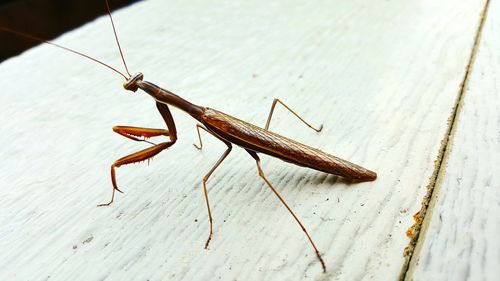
(131, 83)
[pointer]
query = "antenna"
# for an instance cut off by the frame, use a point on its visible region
(116, 37)
(25, 35)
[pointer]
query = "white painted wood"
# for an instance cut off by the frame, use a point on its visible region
(382, 76)
(461, 242)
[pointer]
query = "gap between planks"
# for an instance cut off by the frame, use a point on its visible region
(421, 219)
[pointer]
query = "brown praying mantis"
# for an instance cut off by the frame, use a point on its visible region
(223, 127)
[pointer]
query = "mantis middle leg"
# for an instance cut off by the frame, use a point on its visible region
(205, 178)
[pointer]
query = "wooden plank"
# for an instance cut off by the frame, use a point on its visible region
(382, 76)
(461, 238)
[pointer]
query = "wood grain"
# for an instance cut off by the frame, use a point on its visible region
(382, 76)
(461, 240)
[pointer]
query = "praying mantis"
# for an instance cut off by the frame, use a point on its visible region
(225, 128)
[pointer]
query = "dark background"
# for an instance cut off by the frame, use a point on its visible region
(46, 19)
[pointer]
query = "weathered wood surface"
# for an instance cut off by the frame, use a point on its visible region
(461, 242)
(382, 76)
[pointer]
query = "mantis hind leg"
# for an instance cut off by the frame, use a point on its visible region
(294, 113)
(142, 134)
(261, 174)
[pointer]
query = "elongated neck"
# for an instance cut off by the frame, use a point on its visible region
(170, 98)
